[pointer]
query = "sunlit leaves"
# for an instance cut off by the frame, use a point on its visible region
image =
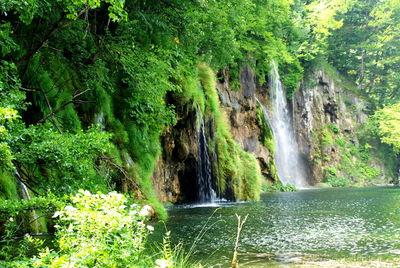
(321, 20)
(6, 116)
(389, 125)
(29, 9)
(99, 230)
(367, 49)
(115, 7)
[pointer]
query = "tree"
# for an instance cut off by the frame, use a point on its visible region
(389, 125)
(367, 49)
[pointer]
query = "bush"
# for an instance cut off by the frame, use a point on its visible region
(279, 187)
(334, 128)
(337, 181)
(100, 230)
(331, 177)
(326, 138)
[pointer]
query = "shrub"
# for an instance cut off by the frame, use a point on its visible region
(279, 187)
(99, 230)
(331, 177)
(334, 128)
(338, 181)
(326, 138)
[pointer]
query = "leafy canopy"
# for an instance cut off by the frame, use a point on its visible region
(389, 125)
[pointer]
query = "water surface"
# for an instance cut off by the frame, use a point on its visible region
(284, 228)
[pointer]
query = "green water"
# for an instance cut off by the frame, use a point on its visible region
(284, 228)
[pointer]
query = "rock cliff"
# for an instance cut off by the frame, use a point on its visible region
(326, 117)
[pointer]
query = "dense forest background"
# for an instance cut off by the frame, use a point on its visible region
(88, 88)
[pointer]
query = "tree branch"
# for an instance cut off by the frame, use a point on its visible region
(62, 107)
(47, 37)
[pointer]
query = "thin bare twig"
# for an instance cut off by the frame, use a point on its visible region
(62, 107)
(235, 262)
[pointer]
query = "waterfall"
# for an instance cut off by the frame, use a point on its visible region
(289, 164)
(32, 215)
(204, 180)
(100, 120)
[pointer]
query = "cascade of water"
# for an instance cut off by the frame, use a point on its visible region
(205, 191)
(32, 215)
(100, 120)
(289, 164)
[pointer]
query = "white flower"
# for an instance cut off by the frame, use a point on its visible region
(150, 228)
(70, 209)
(146, 211)
(162, 263)
(56, 214)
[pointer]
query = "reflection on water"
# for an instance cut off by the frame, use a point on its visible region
(285, 227)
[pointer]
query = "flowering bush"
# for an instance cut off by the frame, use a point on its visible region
(100, 230)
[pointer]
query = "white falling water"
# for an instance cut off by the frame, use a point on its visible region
(32, 215)
(290, 168)
(205, 191)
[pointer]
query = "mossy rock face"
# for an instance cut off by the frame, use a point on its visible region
(238, 171)
(8, 186)
(182, 148)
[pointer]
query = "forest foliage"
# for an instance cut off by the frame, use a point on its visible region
(85, 85)
(67, 65)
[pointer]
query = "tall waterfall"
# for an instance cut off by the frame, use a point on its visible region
(289, 164)
(205, 191)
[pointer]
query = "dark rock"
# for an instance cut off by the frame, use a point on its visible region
(247, 82)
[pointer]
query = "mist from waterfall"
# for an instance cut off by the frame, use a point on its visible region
(289, 165)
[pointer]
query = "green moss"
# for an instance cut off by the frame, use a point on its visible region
(54, 77)
(336, 76)
(326, 138)
(267, 139)
(145, 149)
(192, 93)
(8, 186)
(266, 136)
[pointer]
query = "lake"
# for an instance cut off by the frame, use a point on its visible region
(289, 228)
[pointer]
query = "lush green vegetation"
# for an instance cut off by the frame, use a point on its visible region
(87, 91)
(365, 49)
(94, 230)
(351, 164)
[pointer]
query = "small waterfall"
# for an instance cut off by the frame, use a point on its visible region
(32, 215)
(100, 120)
(289, 164)
(205, 191)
